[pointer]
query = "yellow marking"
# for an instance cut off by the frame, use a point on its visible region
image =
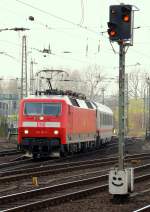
(137, 162)
(35, 181)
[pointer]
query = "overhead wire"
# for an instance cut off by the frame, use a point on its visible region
(9, 42)
(50, 28)
(141, 53)
(57, 17)
(65, 20)
(82, 28)
(63, 56)
(81, 22)
(82, 12)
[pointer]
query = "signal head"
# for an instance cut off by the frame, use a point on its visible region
(126, 13)
(120, 22)
(126, 18)
(112, 31)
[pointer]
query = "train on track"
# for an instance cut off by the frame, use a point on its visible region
(55, 123)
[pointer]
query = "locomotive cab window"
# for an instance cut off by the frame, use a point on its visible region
(74, 102)
(50, 109)
(89, 105)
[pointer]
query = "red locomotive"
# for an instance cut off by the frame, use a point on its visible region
(58, 123)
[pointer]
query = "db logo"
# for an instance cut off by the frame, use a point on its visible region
(41, 124)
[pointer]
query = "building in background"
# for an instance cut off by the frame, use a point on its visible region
(9, 98)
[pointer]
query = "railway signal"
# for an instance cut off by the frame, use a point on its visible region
(112, 31)
(126, 22)
(120, 30)
(113, 24)
(120, 25)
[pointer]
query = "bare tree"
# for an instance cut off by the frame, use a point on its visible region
(90, 82)
(72, 81)
(93, 81)
(137, 84)
(8, 86)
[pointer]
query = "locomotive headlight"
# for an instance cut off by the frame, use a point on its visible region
(26, 131)
(56, 132)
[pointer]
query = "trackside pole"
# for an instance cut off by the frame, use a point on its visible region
(121, 104)
(121, 179)
(120, 30)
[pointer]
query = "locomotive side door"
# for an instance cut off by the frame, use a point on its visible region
(98, 120)
(98, 126)
(70, 120)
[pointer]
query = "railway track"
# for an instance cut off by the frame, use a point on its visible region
(44, 170)
(9, 165)
(140, 194)
(59, 193)
(14, 163)
(54, 169)
(75, 157)
(9, 152)
(143, 209)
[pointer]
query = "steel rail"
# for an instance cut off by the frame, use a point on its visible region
(129, 157)
(13, 163)
(57, 200)
(49, 172)
(50, 189)
(143, 209)
(76, 156)
(60, 198)
(71, 165)
(10, 164)
(59, 168)
(9, 152)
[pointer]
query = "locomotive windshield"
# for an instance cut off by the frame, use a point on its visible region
(50, 109)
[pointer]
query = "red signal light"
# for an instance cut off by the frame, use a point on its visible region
(126, 18)
(112, 33)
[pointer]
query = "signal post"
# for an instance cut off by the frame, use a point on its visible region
(121, 31)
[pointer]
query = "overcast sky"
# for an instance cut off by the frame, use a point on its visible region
(57, 23)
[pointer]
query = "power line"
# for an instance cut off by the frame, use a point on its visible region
(82, 3)
(82, 12)
(9, 42)
(5, 53)
(57, 17)
(64, 57)
(141, 53)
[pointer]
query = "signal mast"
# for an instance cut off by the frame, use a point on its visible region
(120, 30)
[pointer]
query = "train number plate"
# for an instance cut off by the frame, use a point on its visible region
(40, 124)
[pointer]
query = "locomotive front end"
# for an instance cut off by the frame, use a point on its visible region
(41, 130)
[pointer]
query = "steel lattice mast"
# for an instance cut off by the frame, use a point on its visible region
(24, 68)
(31, 78)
